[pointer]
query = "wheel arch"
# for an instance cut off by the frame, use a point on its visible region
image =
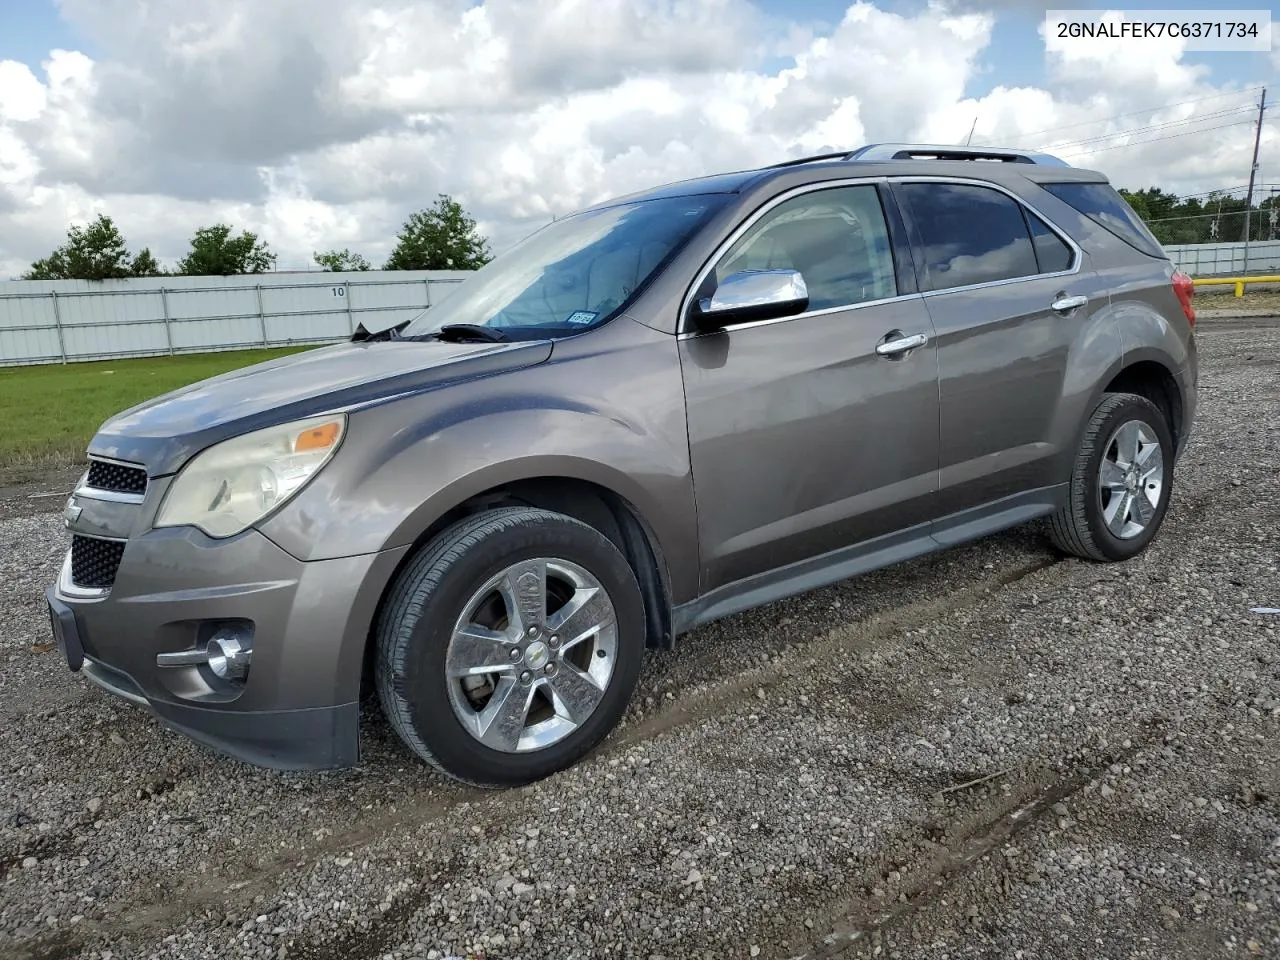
(597, 505)
(1148, 374)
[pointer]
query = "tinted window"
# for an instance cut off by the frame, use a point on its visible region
(836, 238)
(1103, 205)
(969, 234)
(575, 273)
(1052, 252)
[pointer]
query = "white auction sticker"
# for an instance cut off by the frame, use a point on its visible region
(1210, 30)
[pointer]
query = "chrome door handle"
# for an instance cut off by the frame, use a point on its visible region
(1063, 304)
(891, 347)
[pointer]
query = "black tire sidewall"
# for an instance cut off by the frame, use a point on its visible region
(1132, 408)
(421, 683)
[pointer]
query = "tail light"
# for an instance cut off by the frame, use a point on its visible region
(1185, 289)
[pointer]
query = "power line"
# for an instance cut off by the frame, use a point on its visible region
(1221, 190)
(1216, 115)
(1210, 196)
(1169, 106)
(1138, 143)
(1198, 216)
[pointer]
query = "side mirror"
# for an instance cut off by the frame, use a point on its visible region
(752, 295)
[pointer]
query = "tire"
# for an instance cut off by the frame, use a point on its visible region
(441, 717)
(1081, 527)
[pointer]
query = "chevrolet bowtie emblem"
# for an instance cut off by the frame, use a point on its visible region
(72, 513)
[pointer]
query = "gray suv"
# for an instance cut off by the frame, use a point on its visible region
(668, 408)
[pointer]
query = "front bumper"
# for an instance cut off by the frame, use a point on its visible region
(298, 708)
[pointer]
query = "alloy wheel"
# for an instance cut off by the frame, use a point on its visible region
(1131, 479)
(532, 654)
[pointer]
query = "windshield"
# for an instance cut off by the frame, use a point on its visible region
(575, 273)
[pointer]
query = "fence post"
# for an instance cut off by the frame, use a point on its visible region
(351, 320)
(262, 316)
(426, 282)
(168, 330)
(57, 322)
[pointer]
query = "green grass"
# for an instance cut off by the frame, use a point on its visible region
(50, 411)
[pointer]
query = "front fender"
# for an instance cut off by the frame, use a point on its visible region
(610, 413)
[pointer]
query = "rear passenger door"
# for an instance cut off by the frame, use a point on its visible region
(1007, 294)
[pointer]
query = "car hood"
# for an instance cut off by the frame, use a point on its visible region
(164, 432)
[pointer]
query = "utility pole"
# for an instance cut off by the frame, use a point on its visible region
(1253, 170)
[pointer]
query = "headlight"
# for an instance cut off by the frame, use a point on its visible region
(236, 483)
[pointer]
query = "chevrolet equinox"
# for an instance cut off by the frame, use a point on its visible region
(667, 408)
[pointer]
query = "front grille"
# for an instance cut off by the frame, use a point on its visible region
(94, 562)
(116, 477)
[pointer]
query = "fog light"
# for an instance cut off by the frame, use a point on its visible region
(228, 657)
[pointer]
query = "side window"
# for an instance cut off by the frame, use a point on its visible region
(969, 234)
(836, 238)
(1052, 253)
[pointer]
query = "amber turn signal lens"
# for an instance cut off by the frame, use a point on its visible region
(317, 438)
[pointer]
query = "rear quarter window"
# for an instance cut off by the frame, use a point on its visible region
(1102, 204)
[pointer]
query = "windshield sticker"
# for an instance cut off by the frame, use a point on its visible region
(581, 318)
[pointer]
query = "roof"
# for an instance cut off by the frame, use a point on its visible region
(914, 159)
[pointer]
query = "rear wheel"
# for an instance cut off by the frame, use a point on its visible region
(1121, 481)
(510, 646)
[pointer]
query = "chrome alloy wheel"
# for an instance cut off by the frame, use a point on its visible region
(531, 656)
(1131, 479)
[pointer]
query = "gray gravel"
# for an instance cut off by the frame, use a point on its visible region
(988, 753)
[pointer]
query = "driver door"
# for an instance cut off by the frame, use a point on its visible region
(803, 438)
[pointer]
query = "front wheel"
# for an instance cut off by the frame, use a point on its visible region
(1121, 481)
(510, 646)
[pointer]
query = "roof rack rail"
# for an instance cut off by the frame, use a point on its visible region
(839, 155)
(880, 152)
(873, 152)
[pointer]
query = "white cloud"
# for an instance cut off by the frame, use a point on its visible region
(22, 96)
(323, 123)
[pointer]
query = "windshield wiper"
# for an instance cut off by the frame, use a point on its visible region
(462, 332)
(449, 333)
(362, 334)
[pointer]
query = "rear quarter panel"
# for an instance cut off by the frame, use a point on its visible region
(1142, 320)
(1140, 288)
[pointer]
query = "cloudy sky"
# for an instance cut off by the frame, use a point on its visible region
(323, 123)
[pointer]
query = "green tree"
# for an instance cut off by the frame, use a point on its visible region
(442, 237)
(145, 265)
(96, 251)
(216, 253)
(1177, 221)
(339, 260)
(1138, 202)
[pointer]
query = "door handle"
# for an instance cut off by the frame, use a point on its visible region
(901, 344)
(1064, 304)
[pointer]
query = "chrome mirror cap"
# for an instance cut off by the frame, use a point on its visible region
(754, 295)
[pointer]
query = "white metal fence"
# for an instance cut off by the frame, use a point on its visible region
(57, 321)
(53, 321)
(1226, 259)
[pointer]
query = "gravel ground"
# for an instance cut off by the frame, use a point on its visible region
(992, 752)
